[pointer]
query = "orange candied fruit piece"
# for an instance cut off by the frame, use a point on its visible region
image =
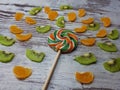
(18, 16)
(84, 77)
(102, 33)
(88, 41)
(15, 29)
(30, 20)
(47, 9)
(106, 21)
(88, 21)
(71, 16)
(52, 15)
(21, 72)
(81, 12)
(82, 29)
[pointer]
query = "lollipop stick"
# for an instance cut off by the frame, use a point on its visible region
(51, 71)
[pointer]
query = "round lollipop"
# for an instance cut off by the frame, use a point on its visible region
(62, 41)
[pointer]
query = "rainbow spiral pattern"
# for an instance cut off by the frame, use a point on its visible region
(64, 40)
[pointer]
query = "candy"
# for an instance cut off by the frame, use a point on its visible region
(64, 40)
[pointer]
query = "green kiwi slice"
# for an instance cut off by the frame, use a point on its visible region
(6, 41)
(114, 34)
(35, 56)
(43, 29)
(112, 65)
(93, 26)
(35, 10)
(86, 59)
(65, 7)
(60, 22)
(6, 56)
(107, 46)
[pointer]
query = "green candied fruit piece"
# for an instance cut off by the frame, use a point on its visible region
(60, 22)
(6, 41)
(35, 56)
(93, 26)
(43, 29)
(35, 10)
(114, 34)
(65, 7)
(6, 56)
(86, 59)
(107, 46)
(112, 65)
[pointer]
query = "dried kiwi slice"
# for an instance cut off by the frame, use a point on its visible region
(35, 10)
(86, 59)
(35, 56)
(114, 34)
(94, 26)
(112, 65)
(60, 22)
(6, 56)
(107, 46)
(43, 29)
(6, 41)
(65, 7)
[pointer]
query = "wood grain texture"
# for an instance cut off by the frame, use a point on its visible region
(63, 78)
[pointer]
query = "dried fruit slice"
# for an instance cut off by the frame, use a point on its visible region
(101, 33)
(15, 29)
(35, 56)
(18, 16)
(93, 26)
(43, 29)
(71, 16)
(106, 21)
(86, 59)
(52, 15)
(6, 41)
(88, 21)
(21, 72)
(30, 20)
(60, 22)
(65, 7)
(88, 41)
(6, 56)
(107, 46)
(81, 12)
(84, 77)
(114, 34)
(35, 10)
(82, 29)
(24, 37)
(112, 65)
(47, 9)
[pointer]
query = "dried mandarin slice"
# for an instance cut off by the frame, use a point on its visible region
(88, 21)
(52, 15)
(30, 20)
(47, 9)
(106, 21)
(84, 77)
(71, 16)
(24, 37)
(21, 72)
(81, 12)
(81, 29)
(15, 29)
(102, 33)
(88, 41)
(18, 16)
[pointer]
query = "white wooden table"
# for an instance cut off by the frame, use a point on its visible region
(63, 78)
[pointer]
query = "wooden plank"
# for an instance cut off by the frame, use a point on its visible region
(63, 78)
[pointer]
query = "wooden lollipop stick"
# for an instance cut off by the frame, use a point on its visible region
(51, 71)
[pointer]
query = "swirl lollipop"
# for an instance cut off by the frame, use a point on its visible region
(62, 41)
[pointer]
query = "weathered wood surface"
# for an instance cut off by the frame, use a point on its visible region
(63, 78)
